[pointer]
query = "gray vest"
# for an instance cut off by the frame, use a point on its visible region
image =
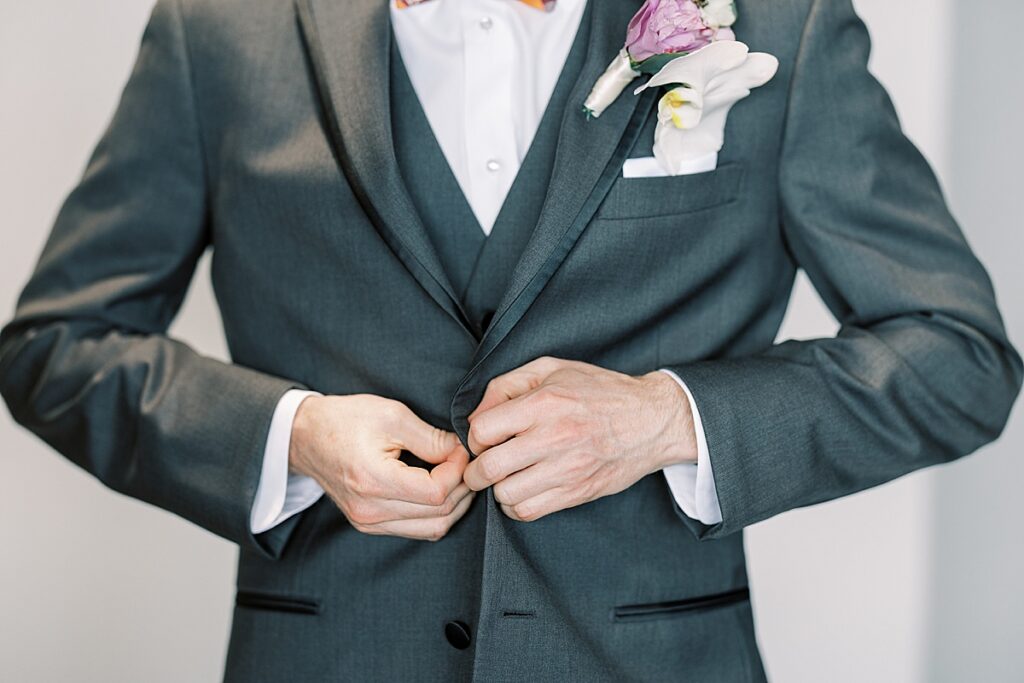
(479, 266)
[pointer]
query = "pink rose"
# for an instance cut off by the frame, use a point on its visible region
(666, 26)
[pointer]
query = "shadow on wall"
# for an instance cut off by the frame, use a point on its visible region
(977, 601)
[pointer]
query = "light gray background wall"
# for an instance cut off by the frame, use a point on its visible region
(917, 580)
(977, 619)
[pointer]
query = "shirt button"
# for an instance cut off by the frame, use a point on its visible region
(486, 23)
(457, 633)
(493, 165)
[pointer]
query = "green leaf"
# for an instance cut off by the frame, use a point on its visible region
(654, 64)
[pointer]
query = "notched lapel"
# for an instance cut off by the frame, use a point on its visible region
(349, 47)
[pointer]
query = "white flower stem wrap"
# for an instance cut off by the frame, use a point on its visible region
(610, 85)
(708, 82)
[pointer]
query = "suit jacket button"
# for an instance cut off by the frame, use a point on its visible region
(457, 633)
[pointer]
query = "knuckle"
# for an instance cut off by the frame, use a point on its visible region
(436, 496)
(478, 430)
(490, 467)
(358, 483)
(548, 362)
(447, 507)
(549, 397)
(576, 428)
(495, 384)
(352, 480)
(576, 466)
(543, 396)
(524, 511)
(504, 493)
(498, 384)
(438, 439)
(358, 512)
(474, 479)
(438, 530)
(501, 493)
(569, 429)
(392, 411)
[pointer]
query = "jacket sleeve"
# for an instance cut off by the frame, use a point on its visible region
(85, 363)
(921, 371)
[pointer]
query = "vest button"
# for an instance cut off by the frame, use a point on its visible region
(457, 633)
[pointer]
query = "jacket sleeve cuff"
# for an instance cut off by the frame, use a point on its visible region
(281, 494)
(693, 485)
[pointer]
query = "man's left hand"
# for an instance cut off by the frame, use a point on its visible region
(554, 433)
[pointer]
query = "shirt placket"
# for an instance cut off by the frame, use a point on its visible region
(490, 61)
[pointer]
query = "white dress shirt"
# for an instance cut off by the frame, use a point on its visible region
(483, 71)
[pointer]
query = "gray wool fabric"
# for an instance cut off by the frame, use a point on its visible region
(263, 130)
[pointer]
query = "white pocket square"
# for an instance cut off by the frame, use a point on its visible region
(650, 167)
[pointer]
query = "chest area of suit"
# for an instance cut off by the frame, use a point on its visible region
(280, 182)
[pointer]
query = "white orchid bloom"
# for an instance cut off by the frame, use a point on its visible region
(708, 82)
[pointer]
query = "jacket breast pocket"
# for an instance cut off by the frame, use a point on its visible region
(672, 195)
(674, 608)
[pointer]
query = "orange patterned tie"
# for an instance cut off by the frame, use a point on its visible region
(539, 4)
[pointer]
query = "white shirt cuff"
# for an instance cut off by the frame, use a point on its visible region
(280, 493)
(693, 484)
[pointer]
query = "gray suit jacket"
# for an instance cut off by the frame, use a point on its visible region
(260, 129)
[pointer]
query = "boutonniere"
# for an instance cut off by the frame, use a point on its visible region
(688, 47)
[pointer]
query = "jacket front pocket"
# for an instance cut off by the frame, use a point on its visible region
(661, 610)
(277, 603)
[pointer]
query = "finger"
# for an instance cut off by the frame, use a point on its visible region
(425, 441)
(551, 501)
(400, 481)
(422, 529)
(378, 511)
(450, 472)
(529, 483)
(517, 382)
(498, 462)
(502, 422)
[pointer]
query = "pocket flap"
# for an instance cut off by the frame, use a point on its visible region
(297, 604)
(655, 610)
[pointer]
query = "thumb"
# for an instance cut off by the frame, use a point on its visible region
(428, 443)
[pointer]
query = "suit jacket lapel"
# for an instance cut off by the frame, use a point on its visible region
(349, 46)
(587, 160)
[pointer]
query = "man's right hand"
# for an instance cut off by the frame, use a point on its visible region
(351, 446)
